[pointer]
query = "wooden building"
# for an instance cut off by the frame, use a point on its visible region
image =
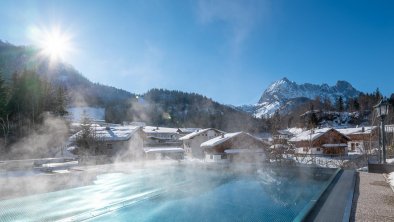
(320, 141)
(192, 142)
(234, 147)
(116, 142)
(361, 138)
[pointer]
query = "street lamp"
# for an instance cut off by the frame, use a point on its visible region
(382, 109)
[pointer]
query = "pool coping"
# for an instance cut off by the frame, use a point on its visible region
(336, 203)
(312, 203)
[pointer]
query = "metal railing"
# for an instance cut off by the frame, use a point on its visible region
(321, 160)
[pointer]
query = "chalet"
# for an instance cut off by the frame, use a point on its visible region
(185, 131)
(161, 137)
(121, 142)
(192, 142)
(361, 138)
(281, 137)
(389, 130)
(161, 153)
(233, 147)
(320, 141)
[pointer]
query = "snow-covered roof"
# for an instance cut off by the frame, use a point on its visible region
(328, 145)
(114, 133)
(163, 150)
(196, 133)
(159, 129)
(279, 146)
(220, 139)
(309, 134)
(357, 130)
(291, 131)
(77, 124)
(235, 151)
(188, 130)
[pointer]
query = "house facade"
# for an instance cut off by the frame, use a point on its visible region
(115, 142)
(361, 138)
(156, 136)
(192, 142)
(320, 141)
(235, 147)
(162, 153)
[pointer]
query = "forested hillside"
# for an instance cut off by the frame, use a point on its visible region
(179, 109)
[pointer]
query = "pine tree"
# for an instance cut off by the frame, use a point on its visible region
(327, 106)
(340, 104)
(356, 105)
(3, 97)
(313, 121)
(4, 120)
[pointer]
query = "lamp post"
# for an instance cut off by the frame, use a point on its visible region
(382, 109)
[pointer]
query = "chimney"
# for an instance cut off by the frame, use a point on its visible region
(222, 135)
(157, 127)
(362, 129)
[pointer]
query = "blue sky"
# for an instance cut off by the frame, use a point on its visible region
(227, 50)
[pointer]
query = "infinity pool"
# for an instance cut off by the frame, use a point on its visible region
(178, 193)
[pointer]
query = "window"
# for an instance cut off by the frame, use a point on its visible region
(211, 157)
(318, 149)
(109, 146)
(224, 156)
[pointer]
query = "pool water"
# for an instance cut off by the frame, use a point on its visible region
(177, 193)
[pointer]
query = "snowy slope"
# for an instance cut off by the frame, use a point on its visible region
(76, 114)
(285, 95)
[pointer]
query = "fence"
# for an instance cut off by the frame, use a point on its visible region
(320, 160)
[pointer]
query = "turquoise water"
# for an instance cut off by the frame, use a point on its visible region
(176, 193)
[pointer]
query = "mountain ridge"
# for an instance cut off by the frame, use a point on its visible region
(283, 95)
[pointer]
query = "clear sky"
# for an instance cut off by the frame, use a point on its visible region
(227, 50)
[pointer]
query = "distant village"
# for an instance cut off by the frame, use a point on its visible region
(97, 141)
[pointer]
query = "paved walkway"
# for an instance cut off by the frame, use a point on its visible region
(373, 199)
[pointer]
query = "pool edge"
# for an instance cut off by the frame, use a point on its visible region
(312, 203)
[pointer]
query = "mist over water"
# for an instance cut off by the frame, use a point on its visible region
(45, 141)
(173, 192)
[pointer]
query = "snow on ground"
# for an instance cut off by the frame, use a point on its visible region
(19, 173)
(391, 179)
(320, 161)
(266, 108)
(76, 113)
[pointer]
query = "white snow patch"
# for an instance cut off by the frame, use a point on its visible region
(76, 114)
(267, 109)
(391, 179)
(163, 150)
(220, 139)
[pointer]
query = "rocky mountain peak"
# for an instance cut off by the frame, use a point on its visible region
(280, 92)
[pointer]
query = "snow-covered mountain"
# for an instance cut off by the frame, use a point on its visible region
(284, 95)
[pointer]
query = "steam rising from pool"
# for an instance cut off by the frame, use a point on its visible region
(175, 192)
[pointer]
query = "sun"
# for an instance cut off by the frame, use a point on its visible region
(54, 43)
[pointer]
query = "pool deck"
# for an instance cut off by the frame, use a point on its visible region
(373, 198)
(336, 202)
(355, 196)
